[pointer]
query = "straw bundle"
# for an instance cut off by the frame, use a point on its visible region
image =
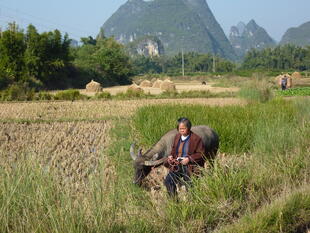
(146, 83)
(289, 82)
(157, 83)
(93, 87)
(134, 87)
(167, 85)
(296, 75)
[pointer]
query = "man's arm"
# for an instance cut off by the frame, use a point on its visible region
(198, 153)
(172, 153)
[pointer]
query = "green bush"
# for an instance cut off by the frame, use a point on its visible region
(132, 94)
(43, 95)
(103, 95)
(70, 94)
(18, 92)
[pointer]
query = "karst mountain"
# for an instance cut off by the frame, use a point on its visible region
(245, 37)
(297, 35)
(187, 25)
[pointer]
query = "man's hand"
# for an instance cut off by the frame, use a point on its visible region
(185, 161)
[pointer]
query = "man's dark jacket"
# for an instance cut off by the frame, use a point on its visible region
(196, 152)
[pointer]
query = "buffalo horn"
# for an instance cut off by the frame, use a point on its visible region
(156, 162)
(155, 157)
(132, 152)
(139, 152)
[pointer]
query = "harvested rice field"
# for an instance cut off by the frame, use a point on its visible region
(72, 150)
(92, 110)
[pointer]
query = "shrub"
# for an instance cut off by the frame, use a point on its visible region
(129, 94)
(43, 95)
(18, 92)
(103, 95)
(70, 94)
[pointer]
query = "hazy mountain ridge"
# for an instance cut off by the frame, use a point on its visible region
(187, 24)
(297, 35)
(245, 37)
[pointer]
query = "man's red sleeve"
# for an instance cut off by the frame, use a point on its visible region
(198, 153)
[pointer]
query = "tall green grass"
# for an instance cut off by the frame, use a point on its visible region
(241, 129)
(267, 146)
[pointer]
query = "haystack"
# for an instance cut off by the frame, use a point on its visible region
(157, 83)
(134, 87)
(153, 80)
(279, 79)
(146, 83)
(167, 85)
(296, 75)
(93, 87)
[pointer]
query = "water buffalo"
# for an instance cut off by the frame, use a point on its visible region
(159, 152)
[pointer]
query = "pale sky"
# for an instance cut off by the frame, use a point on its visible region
(84, 18)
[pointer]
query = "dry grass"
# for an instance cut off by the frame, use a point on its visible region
(71, 150)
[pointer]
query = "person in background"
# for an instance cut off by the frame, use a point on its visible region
(186, 155)
(284, 83)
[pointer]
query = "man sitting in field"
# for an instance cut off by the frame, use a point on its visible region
(186, 155)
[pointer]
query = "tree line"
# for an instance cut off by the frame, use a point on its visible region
(193, 62)
(47, 60)
(286, 57)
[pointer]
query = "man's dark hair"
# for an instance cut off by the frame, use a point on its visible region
(185, 121)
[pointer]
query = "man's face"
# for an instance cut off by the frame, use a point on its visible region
(183, 130)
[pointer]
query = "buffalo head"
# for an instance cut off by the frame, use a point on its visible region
(143, 164)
